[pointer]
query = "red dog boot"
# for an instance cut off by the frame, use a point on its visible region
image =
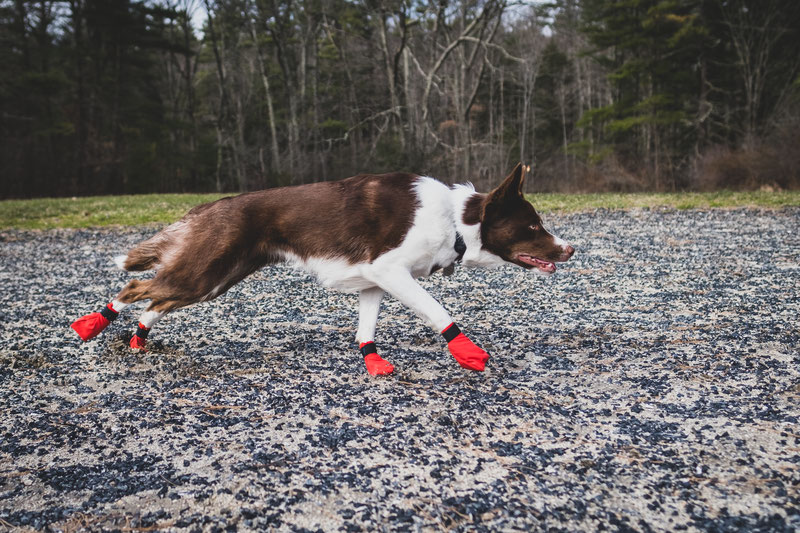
(464, 350)
(89, 326)
(139, 340)
(375, 365)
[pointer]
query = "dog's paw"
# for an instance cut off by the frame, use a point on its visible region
(138, 343)
(467, 353)
(477, 364)
(377, 366)
(89, 326)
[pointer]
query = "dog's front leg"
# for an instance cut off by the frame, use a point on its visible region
(369, 304)
(399, 283)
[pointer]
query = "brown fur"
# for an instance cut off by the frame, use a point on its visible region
(473, 210)
(507, 219)
(218, 244)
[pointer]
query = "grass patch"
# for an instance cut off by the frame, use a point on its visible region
(134, 210)
(682, 200)
(95, 211)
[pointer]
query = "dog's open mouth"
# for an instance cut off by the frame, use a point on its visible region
(544, 266)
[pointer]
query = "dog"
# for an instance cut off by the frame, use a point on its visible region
(373, 234)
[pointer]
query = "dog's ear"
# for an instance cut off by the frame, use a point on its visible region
(510, 189)
(511, 186)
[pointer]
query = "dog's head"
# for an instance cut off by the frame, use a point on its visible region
(512, 229)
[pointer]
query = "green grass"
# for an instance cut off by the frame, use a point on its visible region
(94, 211)
(47, 213)
(681, 200)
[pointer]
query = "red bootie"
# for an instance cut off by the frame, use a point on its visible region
(89, 326)
(139, 340)
(464, 350)
(375, 365)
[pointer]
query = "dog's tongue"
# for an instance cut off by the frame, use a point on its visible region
(544, 266)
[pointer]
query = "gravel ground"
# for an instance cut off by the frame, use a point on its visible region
(652, 384)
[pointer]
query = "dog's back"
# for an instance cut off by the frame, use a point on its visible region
(215, 245)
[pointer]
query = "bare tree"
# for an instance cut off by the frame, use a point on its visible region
(529, 48)
(756, 32)
(275, 163)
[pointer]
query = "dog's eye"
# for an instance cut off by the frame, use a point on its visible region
(534, 227)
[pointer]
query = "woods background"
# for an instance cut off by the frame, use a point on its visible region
(109, 97)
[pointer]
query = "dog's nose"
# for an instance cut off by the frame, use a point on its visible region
(568, 251)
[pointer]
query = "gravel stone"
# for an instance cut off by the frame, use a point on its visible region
(652, 384)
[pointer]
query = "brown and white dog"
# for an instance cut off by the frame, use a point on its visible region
(370, 233)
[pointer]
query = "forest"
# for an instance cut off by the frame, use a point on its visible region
(119, 97)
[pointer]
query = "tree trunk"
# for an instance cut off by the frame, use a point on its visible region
(275, 163)
(223, 108)
(391, 80)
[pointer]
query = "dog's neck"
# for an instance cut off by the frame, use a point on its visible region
(475, 255)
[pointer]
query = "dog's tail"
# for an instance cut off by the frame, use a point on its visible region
(143, 257)
(150, 253)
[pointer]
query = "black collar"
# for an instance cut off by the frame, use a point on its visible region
(460, 247)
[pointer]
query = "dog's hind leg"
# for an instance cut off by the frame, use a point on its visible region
(163, 298)
(165, 295)
(146, 321)
(89, 326)
(369, 304)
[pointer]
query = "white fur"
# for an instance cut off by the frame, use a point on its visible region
(119, 260)
(118, 306)
(431, 238)
(560, 242)
(369, 305)
(429, 243)
(149, 318)
(334, 272)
